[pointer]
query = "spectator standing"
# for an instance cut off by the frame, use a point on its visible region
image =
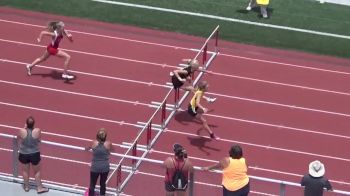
(178, 172)
(235, 181)
(262, 4)
(29, 154)
(101, 148)
(315, 182)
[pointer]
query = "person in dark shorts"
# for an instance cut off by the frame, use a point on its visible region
(196, 110)
(100, 161)
(314, 182)
(180, 76)
(29, 154)
(179, 160)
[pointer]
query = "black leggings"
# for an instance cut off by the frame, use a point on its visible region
(93, 181)
(244, 191)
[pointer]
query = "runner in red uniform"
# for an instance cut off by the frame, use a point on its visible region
(57, 32)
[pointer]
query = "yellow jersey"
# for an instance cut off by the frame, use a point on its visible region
(262, 2)
(193, 102)
(234, 176)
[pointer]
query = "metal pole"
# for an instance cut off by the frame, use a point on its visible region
(149, 135)
(175, 100)
(15, 158)
(163, 114)
(205, 54)
(216, 40)
(282, 189)
(134, 151)
(191, 184)
(119, 178)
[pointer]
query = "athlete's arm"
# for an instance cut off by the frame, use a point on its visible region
(198, 100)
(68, 35)
(44, 33)
(187, 60)
(177, 72)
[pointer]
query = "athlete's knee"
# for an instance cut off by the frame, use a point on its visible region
(67, 57)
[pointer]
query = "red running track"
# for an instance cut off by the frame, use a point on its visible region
(285, 108)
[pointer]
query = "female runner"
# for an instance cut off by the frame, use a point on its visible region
(180, 76)
(56, 31)
(195, 109)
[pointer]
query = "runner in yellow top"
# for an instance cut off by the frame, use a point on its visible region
(195, 109)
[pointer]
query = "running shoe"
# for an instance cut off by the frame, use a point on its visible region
(67, 76)
(213, 136)
(29, 70)
(211, 100)
(248, 8)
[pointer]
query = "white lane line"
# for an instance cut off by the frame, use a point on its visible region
(104, 36)
(285, 64)
(215, 73)
(283, 84)
(279, 126)
(90, 74)
(89, 53)
(69, 114)
(210, 93)
(274, 125)
(278, 104)
(183, 48)
(269, 147)
(221, 18)
(212, 115)
(76, 93)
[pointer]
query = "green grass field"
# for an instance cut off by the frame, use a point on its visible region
(306, 14)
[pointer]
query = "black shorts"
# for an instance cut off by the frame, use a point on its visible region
(190, 111)
(170, 188)
(176, 82)
(33, 158)
(244, 191)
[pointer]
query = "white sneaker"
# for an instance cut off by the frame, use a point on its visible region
(67, 76)
(265, 16)
(211, 100)
(248, 8)
(171, 73)
(29, 70)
